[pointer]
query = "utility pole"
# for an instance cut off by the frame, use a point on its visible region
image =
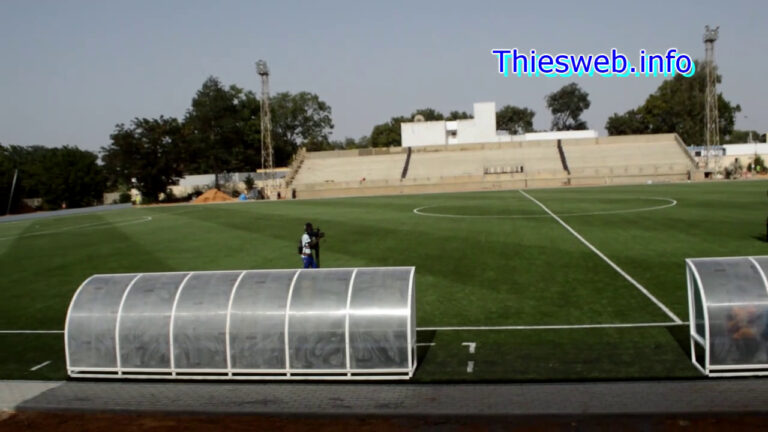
(267, 155)
(712, 131)
(13, 186)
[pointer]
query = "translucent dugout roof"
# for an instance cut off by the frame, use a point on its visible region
(256, 324)
(728, 307)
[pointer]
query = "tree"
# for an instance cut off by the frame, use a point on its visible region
(429, 114)
(630, 123)
(350, 143)
(300, 119)
(458, 115)
(222, 129)
(388, 134)
(567, 105)
(70, 176)
(677, 106)
(60, 176)
(145, 154)
(11, 160)
(743, 136)
(515, 120)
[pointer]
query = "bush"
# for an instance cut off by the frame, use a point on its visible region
(192, 195)
(759, 164)
(124, 198)
(734, 170)
(249, 182)
(169, 197)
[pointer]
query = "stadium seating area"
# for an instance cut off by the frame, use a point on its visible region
(617, 156)
(346, 167)
(531, 158)
(492, 166)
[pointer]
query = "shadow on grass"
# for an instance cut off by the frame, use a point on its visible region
(424, 341)
(681, 335)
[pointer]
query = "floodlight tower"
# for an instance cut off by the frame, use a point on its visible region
(712, 132)
(267, 156)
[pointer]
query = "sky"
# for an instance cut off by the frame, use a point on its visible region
(71, 70)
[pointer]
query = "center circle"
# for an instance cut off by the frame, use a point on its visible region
(668, 202)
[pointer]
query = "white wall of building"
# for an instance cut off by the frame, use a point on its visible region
(746, 149)
(418, 134)
(479, 129)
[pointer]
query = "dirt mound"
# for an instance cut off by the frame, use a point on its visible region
(213, 195)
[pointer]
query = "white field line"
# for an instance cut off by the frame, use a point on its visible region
(84, 227)
(470, 366)
(605, 258)
(553, 327)
(39, 366)
(31, 331)
(672, 203)
(426, 344)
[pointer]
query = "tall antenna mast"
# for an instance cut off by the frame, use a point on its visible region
(267, 156)
(712, 128)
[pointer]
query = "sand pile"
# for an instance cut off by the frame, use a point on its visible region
(213, 195)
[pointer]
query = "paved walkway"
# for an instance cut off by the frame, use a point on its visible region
(724, 397)
(13, 393)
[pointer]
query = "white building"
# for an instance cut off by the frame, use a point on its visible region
(479, 129)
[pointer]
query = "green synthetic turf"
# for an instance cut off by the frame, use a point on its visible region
(510, 264)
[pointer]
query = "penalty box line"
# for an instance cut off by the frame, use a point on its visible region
(607, 260)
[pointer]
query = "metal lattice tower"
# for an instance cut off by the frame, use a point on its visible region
(267, 155)
(712, 129)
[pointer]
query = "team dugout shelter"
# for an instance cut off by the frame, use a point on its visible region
(728, 309)
(354, 323)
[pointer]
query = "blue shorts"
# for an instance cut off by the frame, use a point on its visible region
(309, 261)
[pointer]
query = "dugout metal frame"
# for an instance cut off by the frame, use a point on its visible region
(728, 310)
(306, 324)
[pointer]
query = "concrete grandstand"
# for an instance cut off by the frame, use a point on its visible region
(494, 166)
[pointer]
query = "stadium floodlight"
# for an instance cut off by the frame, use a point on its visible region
(261, 67)
(728, 309)
(344, 324)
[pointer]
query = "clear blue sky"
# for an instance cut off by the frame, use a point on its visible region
(71, 70)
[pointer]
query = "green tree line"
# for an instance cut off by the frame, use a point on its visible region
(61, 177)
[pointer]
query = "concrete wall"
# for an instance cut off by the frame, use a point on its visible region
(745, 153)
(555, 135)
(191, 183)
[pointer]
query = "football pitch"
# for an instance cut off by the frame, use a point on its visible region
(541, 284)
